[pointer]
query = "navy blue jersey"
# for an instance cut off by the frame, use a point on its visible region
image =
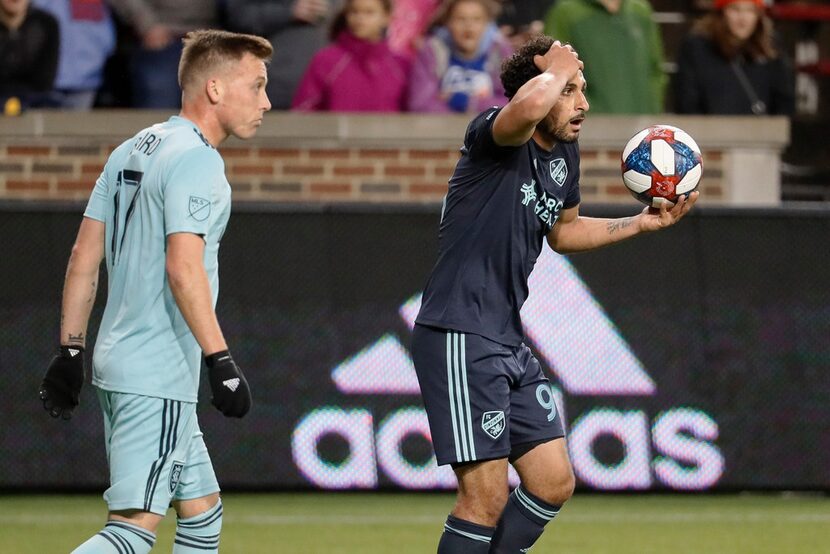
(501, 204)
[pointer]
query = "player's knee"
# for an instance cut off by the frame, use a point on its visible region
(200, 533)
(193, 507)
(481, 505)
(145, 520)
(566, 487)
(558, 489)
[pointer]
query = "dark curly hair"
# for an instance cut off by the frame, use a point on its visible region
(519, 68)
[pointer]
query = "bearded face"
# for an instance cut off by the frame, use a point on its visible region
(565, 119)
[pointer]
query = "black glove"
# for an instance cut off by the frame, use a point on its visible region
(61, 385)
(231, 394)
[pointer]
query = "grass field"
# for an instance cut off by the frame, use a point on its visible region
(411, 523)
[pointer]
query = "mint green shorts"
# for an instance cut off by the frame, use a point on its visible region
(155, 451)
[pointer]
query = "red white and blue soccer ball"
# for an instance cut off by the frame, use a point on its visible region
(661, 164)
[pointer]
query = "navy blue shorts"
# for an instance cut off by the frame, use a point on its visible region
(483, 399)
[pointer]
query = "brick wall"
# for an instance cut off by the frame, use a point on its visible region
(334, 163)
(367, 174)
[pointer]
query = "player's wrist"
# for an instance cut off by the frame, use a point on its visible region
(642, 224)
(220, 357)
(70, 350)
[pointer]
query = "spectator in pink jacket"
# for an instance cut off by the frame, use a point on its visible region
(457, 69)
(358, 72)
(410, 22)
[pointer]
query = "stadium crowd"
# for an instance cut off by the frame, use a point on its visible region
(436, 56)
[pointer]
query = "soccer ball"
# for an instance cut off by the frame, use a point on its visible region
(661, 164)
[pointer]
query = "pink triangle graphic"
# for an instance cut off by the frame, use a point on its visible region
(381, 368)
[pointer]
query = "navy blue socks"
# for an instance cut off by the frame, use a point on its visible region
(522, 522)
(464, 537)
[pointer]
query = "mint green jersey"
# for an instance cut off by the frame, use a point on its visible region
(167, 179)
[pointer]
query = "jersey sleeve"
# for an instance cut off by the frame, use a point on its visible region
(479, 142)
(97, 205)
(189, 191)
(573, 197)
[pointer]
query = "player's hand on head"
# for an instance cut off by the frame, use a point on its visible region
(560, 58)
(654, 219)
(60, 389)
(231, 394)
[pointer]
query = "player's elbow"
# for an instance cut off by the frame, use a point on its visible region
(82, 260)
(77, 256)
(561, 244)
(184, 262)
(517, 122)
(556, 244)
(180, 272)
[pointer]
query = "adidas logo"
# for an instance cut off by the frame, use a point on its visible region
(596, 363)
(232, 384)
(561, 301)
(74, 352)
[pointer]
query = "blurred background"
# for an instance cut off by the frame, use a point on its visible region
(693, 361)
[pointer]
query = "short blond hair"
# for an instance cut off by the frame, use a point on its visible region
(205, 50)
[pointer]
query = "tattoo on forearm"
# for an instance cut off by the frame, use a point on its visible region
(77, 340)
(617, 224)
(91, 298)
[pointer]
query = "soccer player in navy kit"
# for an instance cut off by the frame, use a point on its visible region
(487, 399)
(157, 214)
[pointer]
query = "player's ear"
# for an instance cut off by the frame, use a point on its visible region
(213, 88)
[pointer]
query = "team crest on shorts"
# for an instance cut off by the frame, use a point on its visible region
(493, 424)
(175, 475)
(558, 171)
(199, 208)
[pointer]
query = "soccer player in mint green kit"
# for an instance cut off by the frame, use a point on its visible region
(157, 214)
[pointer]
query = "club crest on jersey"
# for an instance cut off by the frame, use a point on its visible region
(175, 475)
(558, 171)
(199, 208)
(493, 424)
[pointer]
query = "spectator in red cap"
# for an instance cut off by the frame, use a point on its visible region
(729, 64)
